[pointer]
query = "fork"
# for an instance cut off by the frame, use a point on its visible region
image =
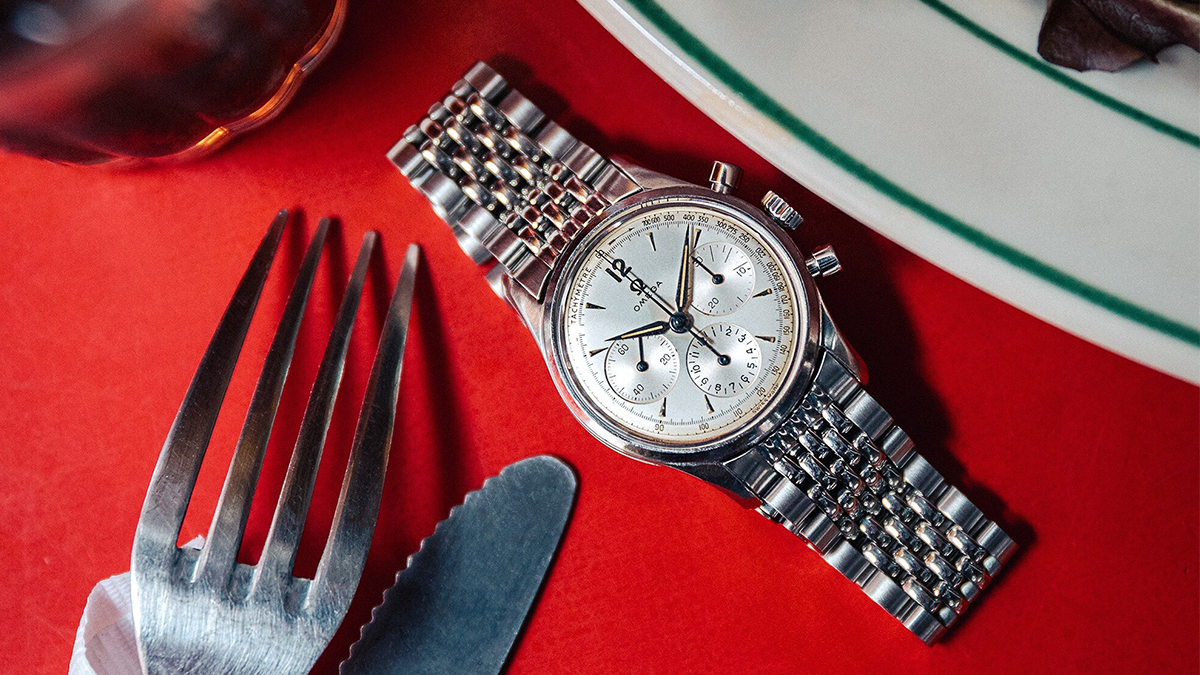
(201, 611)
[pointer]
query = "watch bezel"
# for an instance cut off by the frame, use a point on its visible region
(773, 413)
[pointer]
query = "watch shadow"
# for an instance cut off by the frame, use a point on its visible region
(867, 308)
(863, 300)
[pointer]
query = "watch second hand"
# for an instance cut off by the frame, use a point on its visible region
(717, 279)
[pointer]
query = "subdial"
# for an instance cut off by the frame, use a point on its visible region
(732, 365)
(724, 278)
(643, 369)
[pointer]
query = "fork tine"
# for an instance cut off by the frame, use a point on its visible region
(342, 561)
(229, 522)
(279, 552)
(175, 473)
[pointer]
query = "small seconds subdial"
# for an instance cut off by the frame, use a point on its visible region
(732, 364)
(724, 278)
(642, 369)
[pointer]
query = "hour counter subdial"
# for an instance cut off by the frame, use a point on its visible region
(724, 278)
(642, 369)
(732, 364)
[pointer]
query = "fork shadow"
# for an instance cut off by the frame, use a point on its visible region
(411, 489)
(330, 285)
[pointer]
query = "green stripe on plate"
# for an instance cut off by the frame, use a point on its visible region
(1060, 76)
(749, 92)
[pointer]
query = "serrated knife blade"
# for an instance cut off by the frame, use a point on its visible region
(461, 602)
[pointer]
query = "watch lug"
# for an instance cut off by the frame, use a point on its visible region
(645, 178)
(719, 476)
(527, 306)
(835, 343)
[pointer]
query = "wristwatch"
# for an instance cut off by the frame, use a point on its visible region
(683, 327)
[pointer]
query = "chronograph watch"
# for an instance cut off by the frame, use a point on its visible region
(683, 327)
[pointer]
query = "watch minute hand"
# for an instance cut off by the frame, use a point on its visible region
(654, 328)
(687, 274)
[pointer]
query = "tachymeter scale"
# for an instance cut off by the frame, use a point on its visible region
(627, 278)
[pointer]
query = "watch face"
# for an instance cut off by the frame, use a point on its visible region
(679, 322)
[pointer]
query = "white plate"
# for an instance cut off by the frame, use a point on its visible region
(1073, 196)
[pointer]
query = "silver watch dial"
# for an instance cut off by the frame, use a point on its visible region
(678, 284)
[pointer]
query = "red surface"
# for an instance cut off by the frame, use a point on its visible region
(111, 284)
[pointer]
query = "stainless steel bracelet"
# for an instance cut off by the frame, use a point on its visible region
(513, 185)
(842, 476)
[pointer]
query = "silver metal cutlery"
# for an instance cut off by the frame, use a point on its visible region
(460, 604)
(201, 611)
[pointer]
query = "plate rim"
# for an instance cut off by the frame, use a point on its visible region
(1181, 362)
(1057, 74)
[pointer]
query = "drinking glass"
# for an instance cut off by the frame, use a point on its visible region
(134, 81)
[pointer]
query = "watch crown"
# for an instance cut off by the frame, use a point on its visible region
(823, 262)
(780, 211)
(724, 178)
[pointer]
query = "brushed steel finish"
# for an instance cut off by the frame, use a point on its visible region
(460, 603)
(202, 611)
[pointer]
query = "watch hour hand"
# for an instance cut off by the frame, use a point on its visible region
(649, 329)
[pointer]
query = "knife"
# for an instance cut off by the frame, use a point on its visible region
(460, 603)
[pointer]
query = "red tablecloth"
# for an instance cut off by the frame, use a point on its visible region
(112, 282)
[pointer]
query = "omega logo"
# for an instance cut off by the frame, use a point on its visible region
(641, 301)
